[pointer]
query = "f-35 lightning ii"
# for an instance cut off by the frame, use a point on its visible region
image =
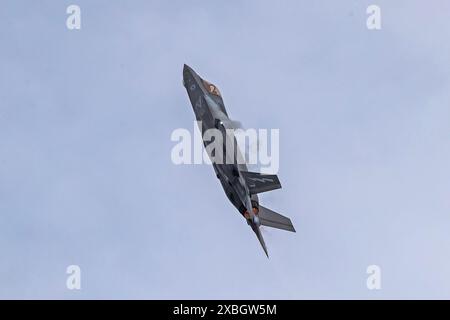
(240, 185)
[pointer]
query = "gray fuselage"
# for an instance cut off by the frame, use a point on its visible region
(210, 113)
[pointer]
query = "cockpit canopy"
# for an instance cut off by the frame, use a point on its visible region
(211, 88)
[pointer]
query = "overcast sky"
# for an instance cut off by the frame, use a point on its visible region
(86, 176)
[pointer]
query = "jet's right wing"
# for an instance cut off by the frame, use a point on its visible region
(258, 182)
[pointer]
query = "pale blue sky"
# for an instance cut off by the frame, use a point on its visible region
(85, 170)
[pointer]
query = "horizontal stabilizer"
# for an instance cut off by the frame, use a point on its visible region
(272, 219)
(258, 182)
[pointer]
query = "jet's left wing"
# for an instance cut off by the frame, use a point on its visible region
(258, 182)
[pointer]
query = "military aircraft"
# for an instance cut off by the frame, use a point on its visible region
(240, 185)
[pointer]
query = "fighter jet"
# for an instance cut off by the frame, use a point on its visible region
(240, 185)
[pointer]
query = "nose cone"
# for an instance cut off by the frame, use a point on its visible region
(187, 71)
(191, 79)
(187, 75)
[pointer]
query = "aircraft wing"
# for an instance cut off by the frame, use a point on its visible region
(275, 220)
(258, 182)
